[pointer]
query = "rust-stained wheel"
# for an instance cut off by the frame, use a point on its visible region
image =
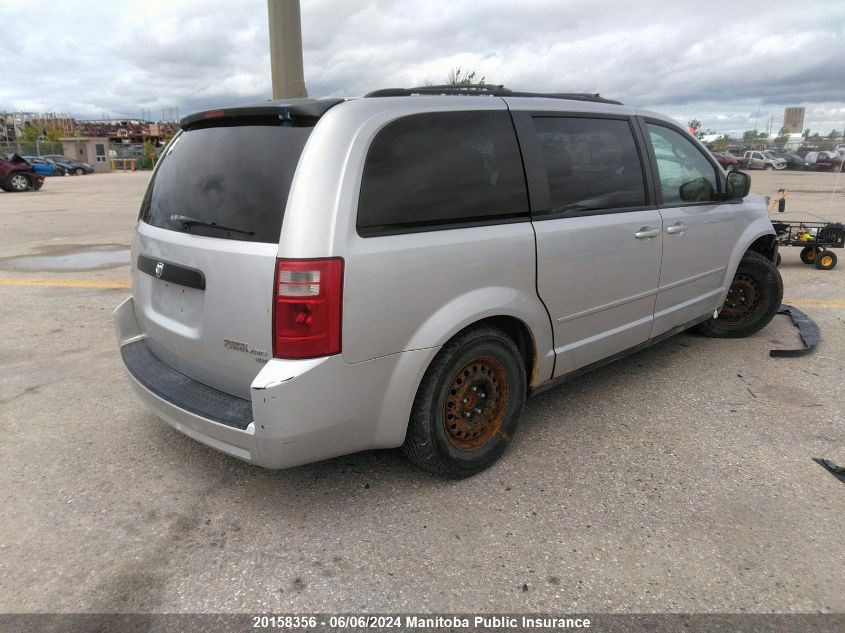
(476, 403)
(468, 404)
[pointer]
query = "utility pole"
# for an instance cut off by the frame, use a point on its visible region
(286, 49)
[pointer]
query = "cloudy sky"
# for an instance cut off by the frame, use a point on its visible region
(717, 62)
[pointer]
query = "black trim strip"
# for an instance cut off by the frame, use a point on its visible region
(172, 273)
(183, 392)
(559, 380)
(424, 227)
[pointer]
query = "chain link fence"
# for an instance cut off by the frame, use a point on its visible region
(34, 148)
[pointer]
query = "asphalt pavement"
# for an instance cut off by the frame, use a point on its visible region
(678, 479)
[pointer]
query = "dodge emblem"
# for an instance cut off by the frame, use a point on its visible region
(159, 269)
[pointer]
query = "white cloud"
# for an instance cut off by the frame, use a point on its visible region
(687, 59)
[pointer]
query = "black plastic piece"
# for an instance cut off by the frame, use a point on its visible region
(807, 329)
(485, 90)
(173, 273)
(284, 111)
(183, 392)
(833, 469)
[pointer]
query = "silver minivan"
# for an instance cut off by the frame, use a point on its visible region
(316, 277)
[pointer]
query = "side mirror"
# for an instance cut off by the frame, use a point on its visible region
(738, 185)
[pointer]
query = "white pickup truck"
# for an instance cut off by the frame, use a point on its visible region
(764, 160)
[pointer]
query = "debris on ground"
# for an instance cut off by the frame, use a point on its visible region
(833, 469)
(807, 328)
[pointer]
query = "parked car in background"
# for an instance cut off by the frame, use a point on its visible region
(827, 161)
(45, 166)
(728, 161)
(17, 175)
(764, 160)
(72, 166)
(794, 161)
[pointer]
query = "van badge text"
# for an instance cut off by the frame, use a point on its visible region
(260, 354)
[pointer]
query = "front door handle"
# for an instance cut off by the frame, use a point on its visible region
(646, 232)
(677, 229)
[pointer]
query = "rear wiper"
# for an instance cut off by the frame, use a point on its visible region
(188, 221)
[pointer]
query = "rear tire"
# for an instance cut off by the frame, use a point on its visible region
(753, 300)
(468, 404)
(808, 254)
(79, 171)
(825, 260)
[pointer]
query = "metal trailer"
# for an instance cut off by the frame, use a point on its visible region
(814, 239)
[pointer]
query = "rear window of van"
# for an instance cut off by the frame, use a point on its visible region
(227, 182)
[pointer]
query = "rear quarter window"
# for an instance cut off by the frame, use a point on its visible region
(436, 170)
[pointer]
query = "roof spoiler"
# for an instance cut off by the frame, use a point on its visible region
(303, 111)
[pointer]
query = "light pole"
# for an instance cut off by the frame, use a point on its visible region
(286, 49)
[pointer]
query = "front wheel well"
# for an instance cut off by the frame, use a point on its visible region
(766, 245)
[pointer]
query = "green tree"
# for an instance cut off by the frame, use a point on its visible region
(55, 133)
(750, 135)
(457, 77)
(806, 134)
(148, 159)
(721, 143)
(833, 134)
(782, 138)
(28, 133)
(695, 126)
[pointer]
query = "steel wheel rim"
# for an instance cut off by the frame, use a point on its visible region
(742, 298)
(19, 183)
(475, 404)
(826, 260)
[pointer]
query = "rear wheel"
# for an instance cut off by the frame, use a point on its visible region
(79, 171)
(825, 260)
(752, 301)
(18, 182)
(468, 404)
(808, 254)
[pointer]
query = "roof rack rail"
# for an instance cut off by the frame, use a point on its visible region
(491, 90)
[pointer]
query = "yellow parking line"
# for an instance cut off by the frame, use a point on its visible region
(69, 283)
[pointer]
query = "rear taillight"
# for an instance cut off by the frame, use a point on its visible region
(307, 302)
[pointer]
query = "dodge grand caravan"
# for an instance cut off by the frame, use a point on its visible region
(316, 277)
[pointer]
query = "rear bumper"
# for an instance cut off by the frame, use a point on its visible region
(299, 411)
